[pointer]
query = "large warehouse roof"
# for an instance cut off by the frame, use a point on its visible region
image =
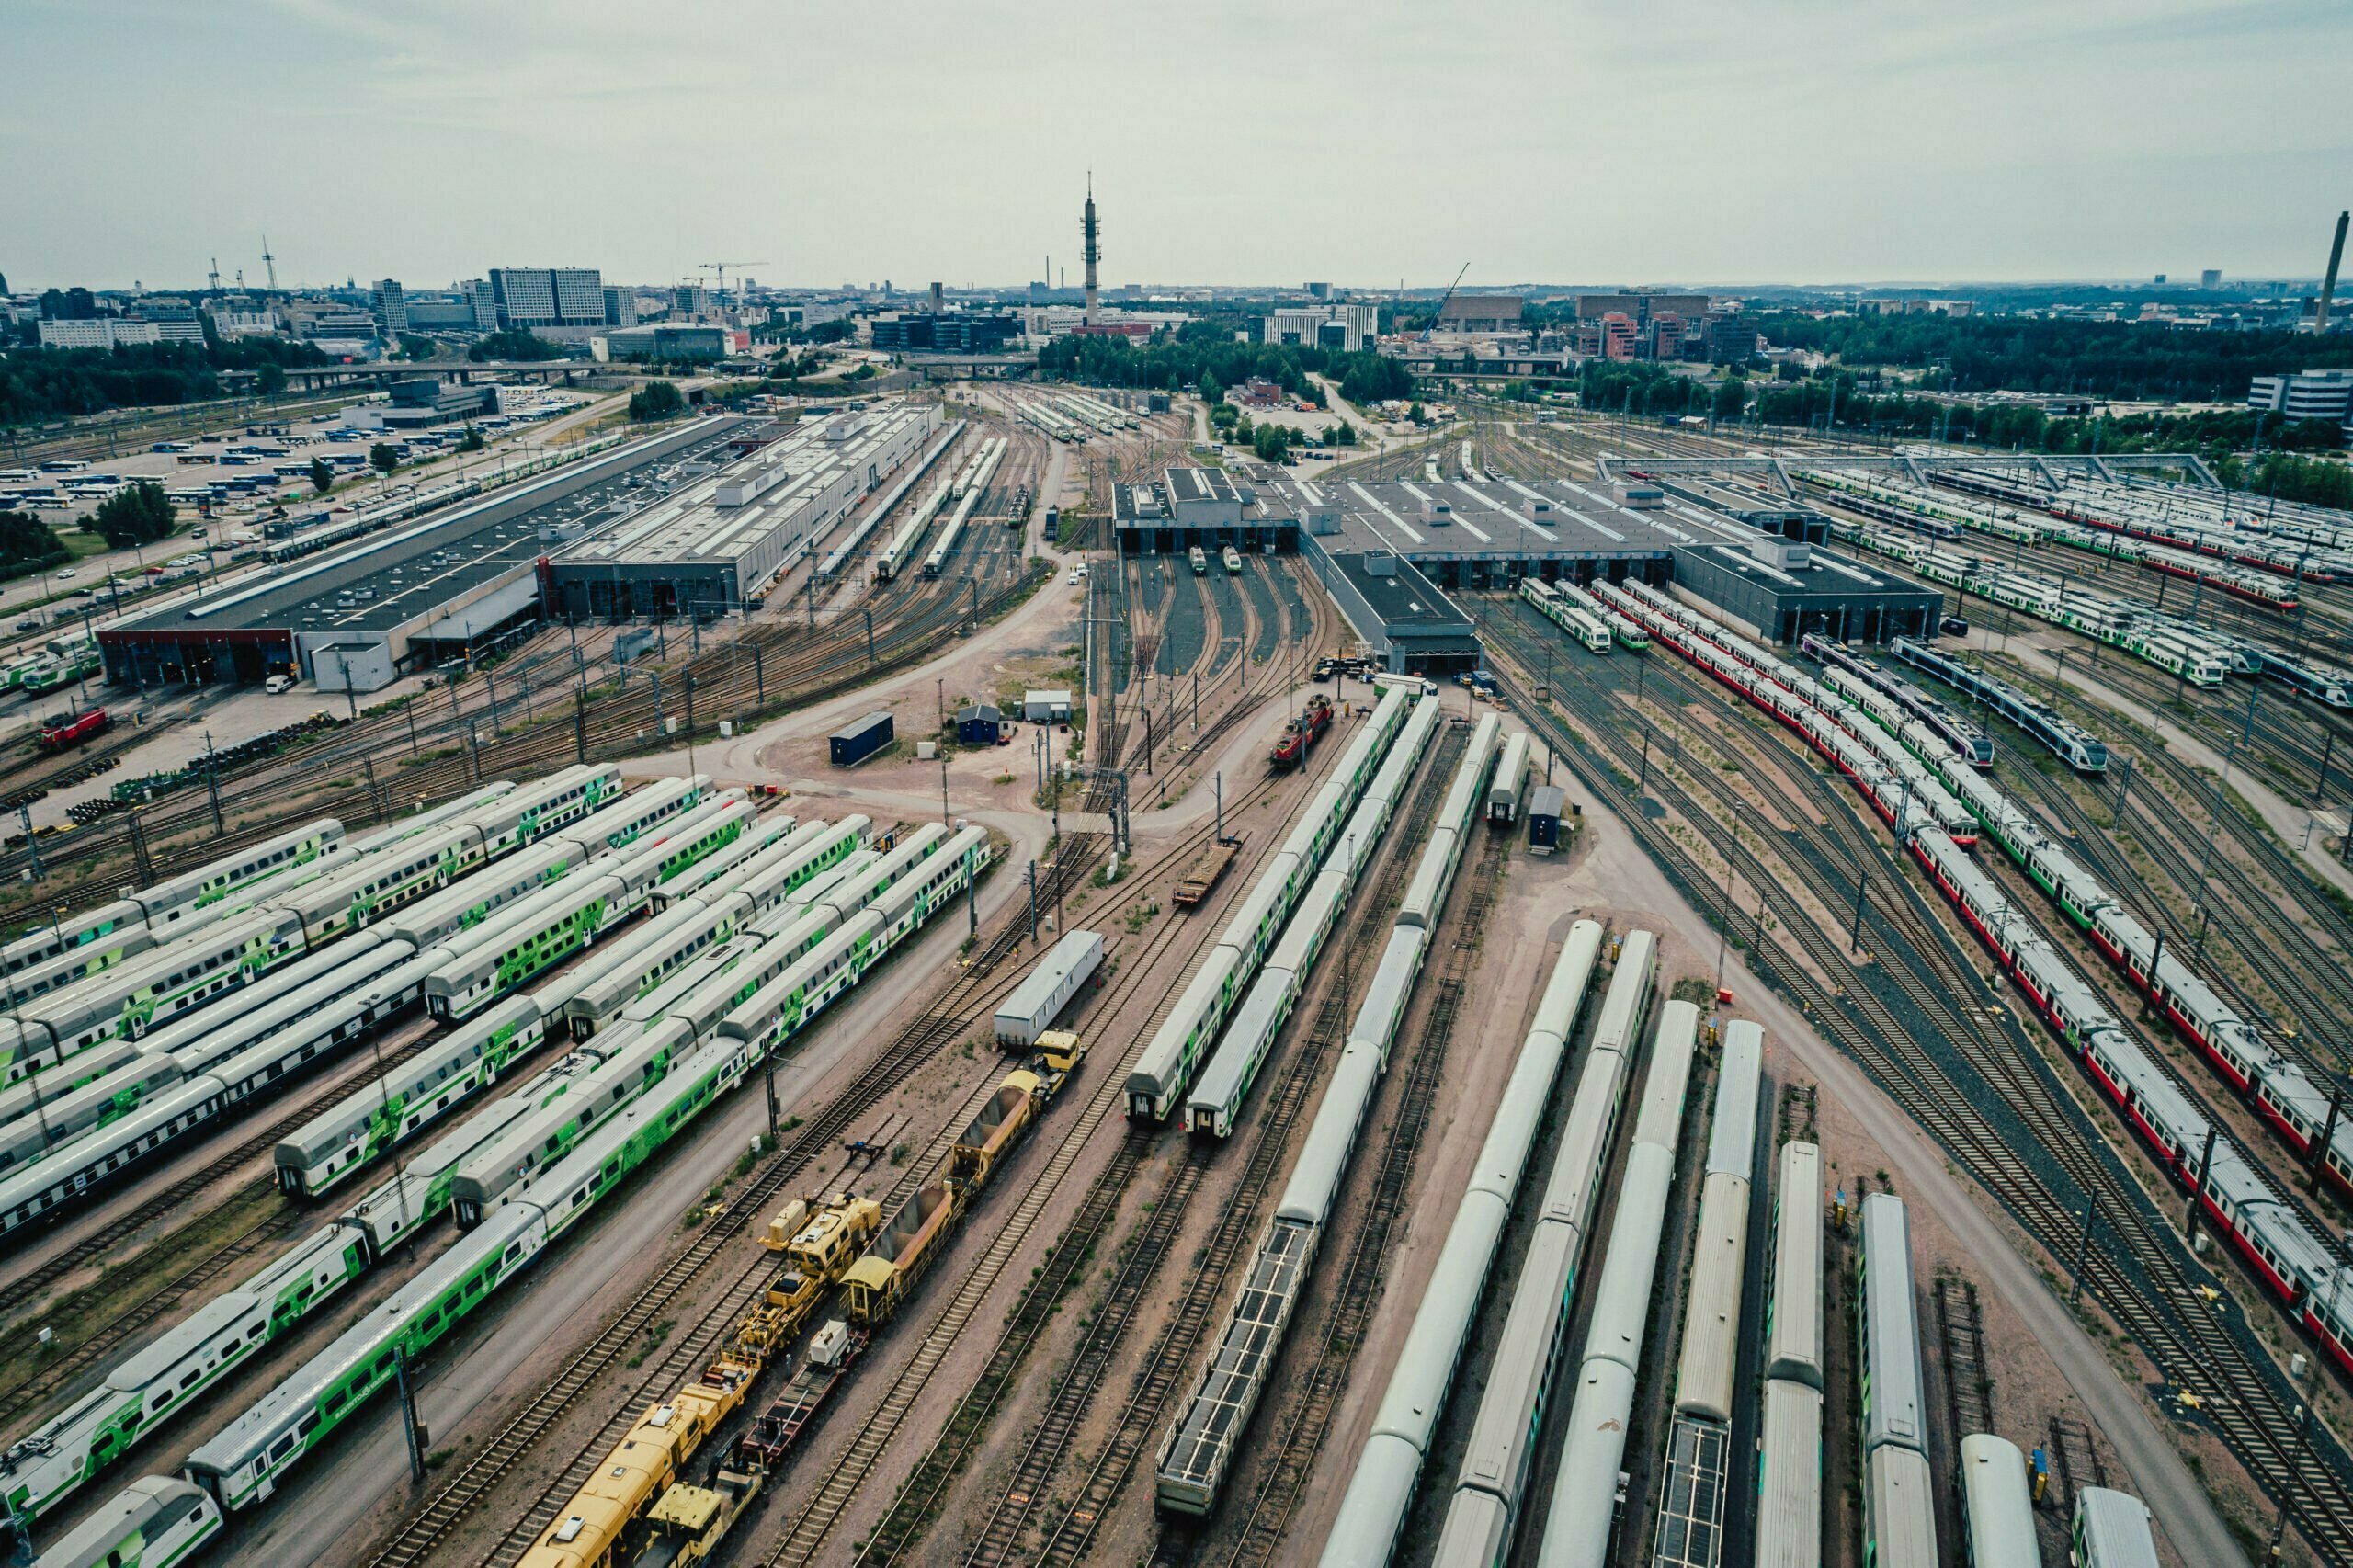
(413, 573)
(714, 520)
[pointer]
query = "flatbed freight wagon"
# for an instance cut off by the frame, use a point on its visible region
(1204, 874)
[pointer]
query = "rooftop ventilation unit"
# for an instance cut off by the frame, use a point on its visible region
(1784, 554)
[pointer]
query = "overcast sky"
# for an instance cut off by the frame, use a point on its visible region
(1803, 140)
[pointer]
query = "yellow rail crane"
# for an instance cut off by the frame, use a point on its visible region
(618, 1512)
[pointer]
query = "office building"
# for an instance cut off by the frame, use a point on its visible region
(109, 332)
(2307, 394)
(673, 340)
(1639, 306)
(389, 306)
(952, 333)
(2210, 279)
(486, 303)
(1349, 328)
(536, 296)
(620, 307)
(243, 324)
(1730, 338)
(439, 313)
(1480, 312)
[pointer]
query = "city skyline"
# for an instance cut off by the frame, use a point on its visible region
(2106, 145)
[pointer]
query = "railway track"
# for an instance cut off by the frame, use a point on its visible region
(2137, 1272)
(811, 1525)
(968, 997)
(1051, 1438)
(911, 618)
(2302, 973)
(1365, 1274)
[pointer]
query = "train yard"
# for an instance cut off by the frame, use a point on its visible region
(566, 1116)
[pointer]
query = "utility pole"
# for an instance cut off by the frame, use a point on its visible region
(2205, 1167)
(211, 783)
(1033, 900)
(410, 1424)
(2327, 1134)
(2303, 1444)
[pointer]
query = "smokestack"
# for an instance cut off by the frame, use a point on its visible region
(2328, 284)
(1090, 252)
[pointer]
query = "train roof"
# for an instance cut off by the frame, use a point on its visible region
(139, 1507)
(1732, 1141)
(372, 1336)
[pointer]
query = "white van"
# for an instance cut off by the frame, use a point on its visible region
(1411, 683)
(279, 685)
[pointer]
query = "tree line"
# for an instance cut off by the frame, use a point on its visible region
(1206, 354)
(38, 385)
(2132, 360)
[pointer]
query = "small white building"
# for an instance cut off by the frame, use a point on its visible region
(1046, 707)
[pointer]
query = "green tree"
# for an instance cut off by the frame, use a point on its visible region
(383, 459)
(137, 514)
(417, 348)
(1270, 443)
(39, 384)
(270, 380)
(656, 400)
(29, 545)
(513, 343)
(471, 440)
(322, 476)
(1732, 398)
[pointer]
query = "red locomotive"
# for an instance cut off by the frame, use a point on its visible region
(1300, 733)
(69, 730)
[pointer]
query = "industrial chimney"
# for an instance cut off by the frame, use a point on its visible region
(1090, 252)
(2328, 284)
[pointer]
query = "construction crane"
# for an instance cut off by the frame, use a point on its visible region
(1442, 299)
(270, 262)
(721, 267)
(212, 279)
